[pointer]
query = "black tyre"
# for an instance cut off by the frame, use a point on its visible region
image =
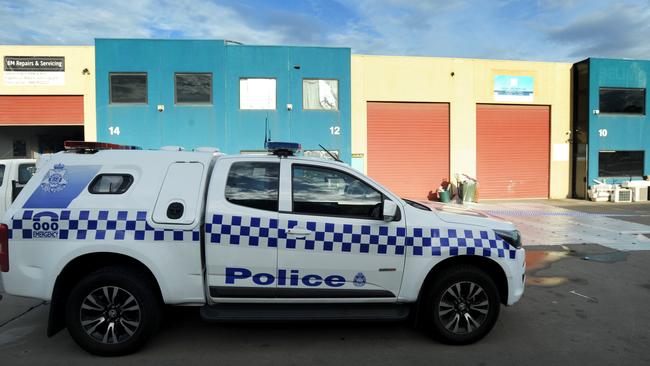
(461, 305)
(113, 311)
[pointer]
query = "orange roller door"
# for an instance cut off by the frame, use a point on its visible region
(41, 110)
(408, 146)
(512, 144)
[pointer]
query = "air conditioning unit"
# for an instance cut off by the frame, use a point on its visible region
(639, 194)
(621, 195)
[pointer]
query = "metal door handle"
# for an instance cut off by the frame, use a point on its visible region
(298, 232)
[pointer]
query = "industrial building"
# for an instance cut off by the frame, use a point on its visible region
(47, 96)
(420, 121)
(522, 129)
(195, 93)
(611, 134)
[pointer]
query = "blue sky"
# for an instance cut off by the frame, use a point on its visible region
(560, 30)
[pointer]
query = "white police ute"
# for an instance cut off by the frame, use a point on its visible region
(108, 234)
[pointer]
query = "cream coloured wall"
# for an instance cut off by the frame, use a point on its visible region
(463, 83)
(77, 58)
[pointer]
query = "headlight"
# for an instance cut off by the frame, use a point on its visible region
(511, 237)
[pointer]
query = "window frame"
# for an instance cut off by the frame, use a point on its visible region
(225, 184)
(122, 189)
(643, 167)
(381, 195)
(110, 87)
(209, 103)
(643, 90)
(275, 91)
(29, 166)
(337, 109)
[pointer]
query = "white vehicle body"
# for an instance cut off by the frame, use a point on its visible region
(219, 251)
(13, 177)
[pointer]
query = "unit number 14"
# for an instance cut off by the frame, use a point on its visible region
(114, 130)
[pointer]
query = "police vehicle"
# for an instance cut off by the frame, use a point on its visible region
(14, 174)
(108, 234)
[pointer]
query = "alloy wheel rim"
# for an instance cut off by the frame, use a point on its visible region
(463, 307)
(110, 315)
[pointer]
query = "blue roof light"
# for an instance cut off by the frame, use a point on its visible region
(283, 148)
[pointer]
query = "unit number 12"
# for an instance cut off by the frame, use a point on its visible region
(335, 130)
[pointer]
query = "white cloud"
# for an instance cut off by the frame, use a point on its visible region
(79, 22)
(504, 29)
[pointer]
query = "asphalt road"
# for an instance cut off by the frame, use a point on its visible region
(574, 311)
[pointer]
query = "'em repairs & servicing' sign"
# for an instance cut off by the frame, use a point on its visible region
(34, 70)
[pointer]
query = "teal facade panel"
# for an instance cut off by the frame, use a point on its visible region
(617, 131)
(222, 124)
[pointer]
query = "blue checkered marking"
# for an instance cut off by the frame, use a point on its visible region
(100, 225)
(356, 239)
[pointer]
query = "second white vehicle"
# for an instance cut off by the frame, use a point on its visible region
(108, 235)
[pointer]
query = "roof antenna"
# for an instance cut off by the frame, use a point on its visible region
(330, 154)
(267, 133)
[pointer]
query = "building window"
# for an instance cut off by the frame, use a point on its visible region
(622, 100)
(128, 88)
(254, 184)
(2, 173)
(193, 88)
(620, 163)
(257, 93)
(320, 94)
(20, 148)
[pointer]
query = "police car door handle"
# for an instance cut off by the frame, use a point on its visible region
(298, 232)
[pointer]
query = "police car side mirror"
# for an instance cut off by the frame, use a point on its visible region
(390, 210)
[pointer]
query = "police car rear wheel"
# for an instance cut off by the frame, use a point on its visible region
(112, 311)
(462, 305)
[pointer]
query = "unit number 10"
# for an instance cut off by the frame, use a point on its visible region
(335, 130)
(602, 132)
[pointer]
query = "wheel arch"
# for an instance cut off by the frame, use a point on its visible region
(76, 268)
(487, 265)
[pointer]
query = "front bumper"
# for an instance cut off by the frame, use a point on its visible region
(517, 277)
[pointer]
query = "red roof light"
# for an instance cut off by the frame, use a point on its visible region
(96, 146)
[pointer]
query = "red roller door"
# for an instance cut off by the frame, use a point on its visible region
(41, 110)
(408, 146)
(512, 143)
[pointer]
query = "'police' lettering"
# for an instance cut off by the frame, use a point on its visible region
(312, 280)
(284, 278)
(236, 273)
(334, 281)
(263, 279)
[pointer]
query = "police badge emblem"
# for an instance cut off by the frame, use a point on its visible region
(55, 180)
(359, 280)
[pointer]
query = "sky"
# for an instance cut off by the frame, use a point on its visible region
(551, 30)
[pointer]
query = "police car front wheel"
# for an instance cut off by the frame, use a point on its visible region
(461, 305)
(112, 311)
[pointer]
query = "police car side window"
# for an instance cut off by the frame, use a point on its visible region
(110, 184)
(254, 184)
(323, 191)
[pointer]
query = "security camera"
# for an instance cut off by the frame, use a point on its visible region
(161, 107)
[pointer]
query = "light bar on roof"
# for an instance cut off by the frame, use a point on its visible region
(96, 146)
